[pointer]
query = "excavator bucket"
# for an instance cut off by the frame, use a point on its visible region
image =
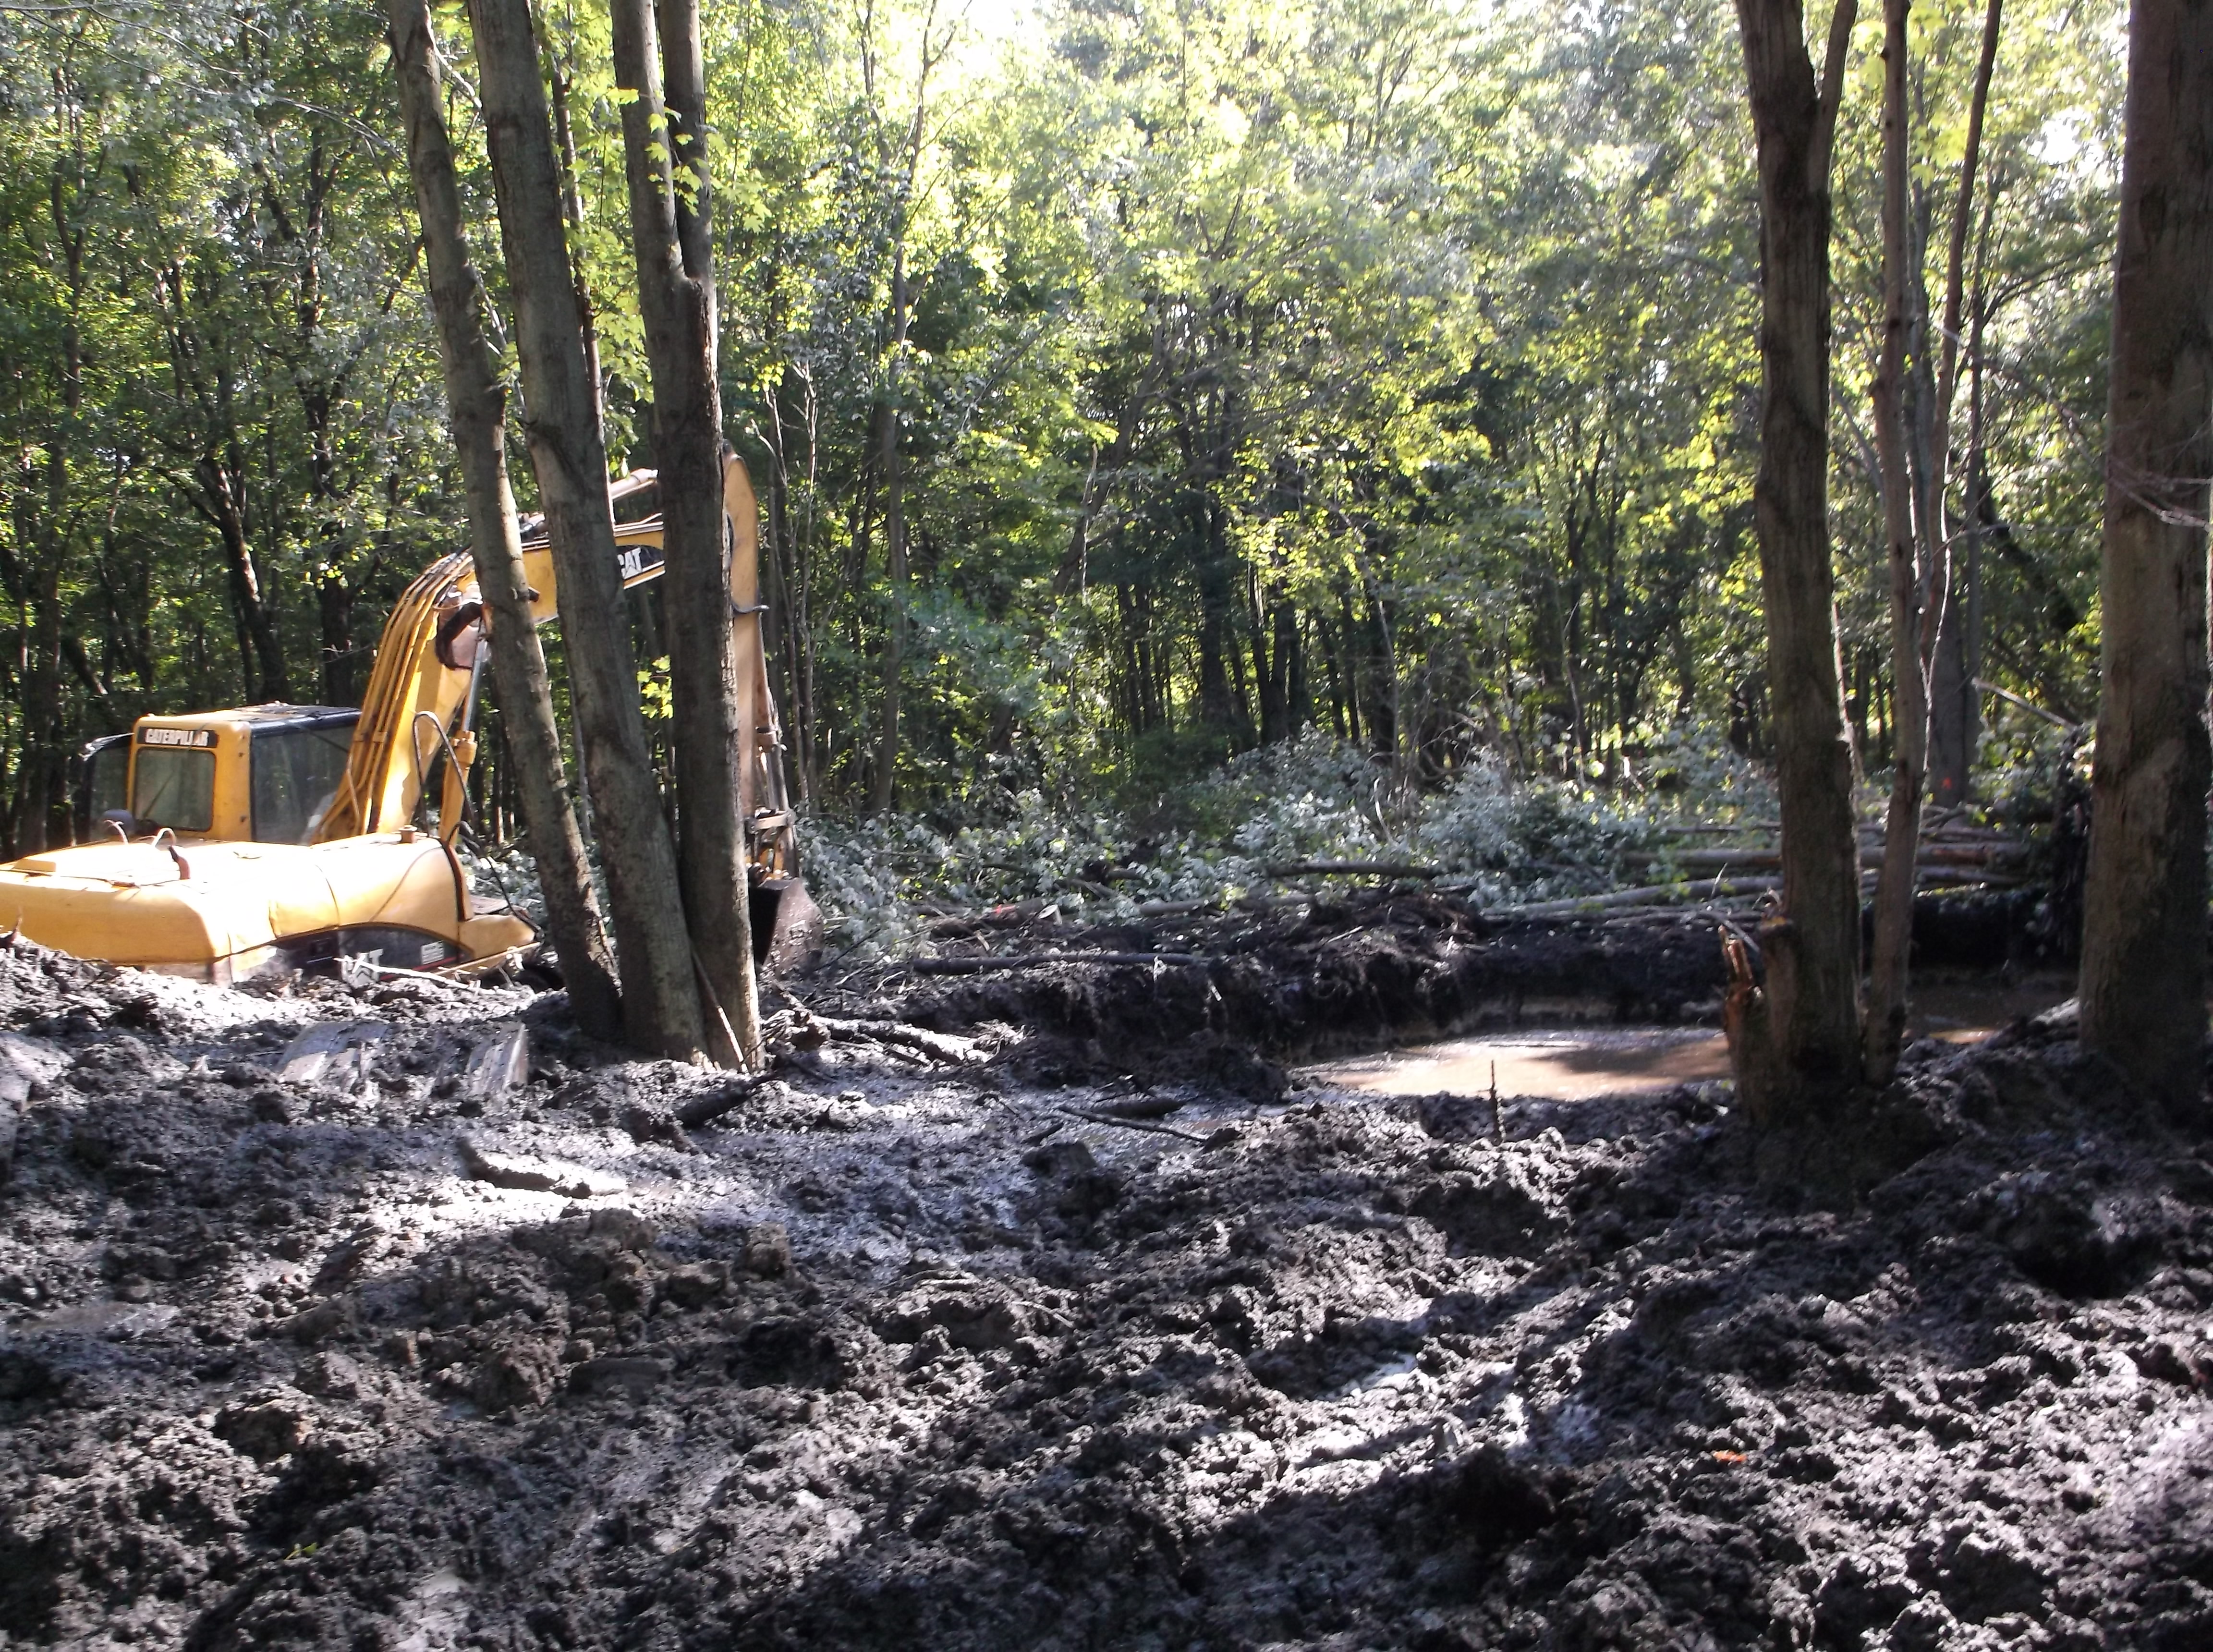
(787, 926)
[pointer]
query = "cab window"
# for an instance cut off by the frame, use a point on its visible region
(173, 788)
(106, 780)
(296, 772)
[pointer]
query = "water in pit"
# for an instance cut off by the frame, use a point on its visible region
(1574, 1065)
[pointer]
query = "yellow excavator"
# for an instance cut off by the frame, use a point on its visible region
(227, 845)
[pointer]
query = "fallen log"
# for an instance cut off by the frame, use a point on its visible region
(1648, 894)
(1938, 854)
(1654, 898)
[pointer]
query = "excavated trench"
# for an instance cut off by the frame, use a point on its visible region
(1056, 1308)
(1402, 995)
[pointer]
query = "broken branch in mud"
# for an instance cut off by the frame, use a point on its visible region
(725, 1098)
(1350, 869)
(1039, 960)
(536, 1175)
(1175, 908)
(941, 1046)
(1132, 1123)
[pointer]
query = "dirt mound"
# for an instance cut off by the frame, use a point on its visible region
(892, 1351)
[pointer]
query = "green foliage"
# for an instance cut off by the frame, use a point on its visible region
(1356, 393)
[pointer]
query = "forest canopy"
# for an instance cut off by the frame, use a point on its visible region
(1223, 370)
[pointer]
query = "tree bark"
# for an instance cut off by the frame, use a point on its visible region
(476, 403)
(1798, 1051)
(676, 300)
(2143, 943)
(1885, 1026)
(660, 1006)
(1954, 722)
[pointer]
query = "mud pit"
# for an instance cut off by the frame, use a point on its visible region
(1581, 1064)
(999, 1337)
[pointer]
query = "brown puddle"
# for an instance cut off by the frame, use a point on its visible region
(1576, 1064)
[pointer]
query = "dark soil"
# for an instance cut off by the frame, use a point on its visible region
(948, 1345)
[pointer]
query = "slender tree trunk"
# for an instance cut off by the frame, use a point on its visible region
(1885, 1026)
(884, 783)
(1383, 710)
(661, 1004)
(1797, 1046)
(260, 653)
(796, 609)
(42, 794)
(572, 212)
(1969, 594)
(1955, 725)
(1348, 664)
(714, 733)
(2144, 943)
(477, 405)
(1267, 666)
(1217, 696)
(41, 809)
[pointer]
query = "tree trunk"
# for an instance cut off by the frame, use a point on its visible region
(1885, 1026)
(1271, 666)
(41, 800)
(1217, 696)
(790, 535)
(661, 1004)
(477, 405)
(1383, 710)
(883, 784)
(1798, 1051)
(260, 656)
(1955, 724)
(572, 211)
(40, 812)
(2144, 943)
(676, 300)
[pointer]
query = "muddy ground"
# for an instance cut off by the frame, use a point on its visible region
(1046, 1311)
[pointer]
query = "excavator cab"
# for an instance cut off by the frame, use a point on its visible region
(260, 774)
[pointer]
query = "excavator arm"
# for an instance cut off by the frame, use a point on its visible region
(421, 692)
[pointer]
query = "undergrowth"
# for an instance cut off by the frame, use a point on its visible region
(1503, 841)
(1500, 840)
